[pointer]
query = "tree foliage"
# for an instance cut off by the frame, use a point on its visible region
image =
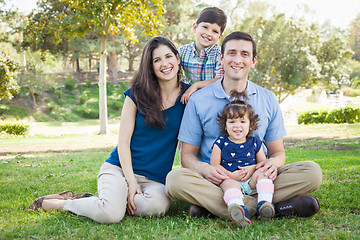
(8, 66)
(179, 18)
(354, 37)
(8, 83)
(291, 52)
(333, 56)
(66, 19)
(285, 53)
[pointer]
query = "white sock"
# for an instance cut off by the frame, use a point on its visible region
(265, 190)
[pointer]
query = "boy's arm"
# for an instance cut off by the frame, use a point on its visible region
(194, 87)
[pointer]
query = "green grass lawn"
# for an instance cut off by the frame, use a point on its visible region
(28, 176)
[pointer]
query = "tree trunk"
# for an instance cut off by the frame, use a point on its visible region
(90, 58)
(73, 64)
(113, 60)
(113, 65)
(64, 62)
(77, 65)
(33, 98)
(131, 63)
(102, 87)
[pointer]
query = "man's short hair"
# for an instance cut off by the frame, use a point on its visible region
(238, 35)
(213, 15)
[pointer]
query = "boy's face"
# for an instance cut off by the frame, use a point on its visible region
(206, 34)
(238, 59)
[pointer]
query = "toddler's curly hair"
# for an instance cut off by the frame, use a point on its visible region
(237, 108)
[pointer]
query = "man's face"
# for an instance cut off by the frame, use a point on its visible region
(238, 59)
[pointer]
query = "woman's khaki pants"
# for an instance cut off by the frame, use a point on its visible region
(110, 205)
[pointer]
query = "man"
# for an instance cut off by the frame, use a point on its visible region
(197, 181)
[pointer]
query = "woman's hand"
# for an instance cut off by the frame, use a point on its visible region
(133, 190)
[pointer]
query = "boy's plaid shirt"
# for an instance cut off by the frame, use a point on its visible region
(203, 66)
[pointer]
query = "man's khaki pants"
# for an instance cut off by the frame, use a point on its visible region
(293, 179)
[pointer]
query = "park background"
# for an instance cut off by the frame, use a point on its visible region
(58, 92)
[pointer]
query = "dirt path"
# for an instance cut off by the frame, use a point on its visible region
(71, 137)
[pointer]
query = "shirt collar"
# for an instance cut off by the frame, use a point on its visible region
(220, 92)
(250, 88)
(206, 50)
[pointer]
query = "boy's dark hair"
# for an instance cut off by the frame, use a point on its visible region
(213, 15)
(238, 35)
(237, 108)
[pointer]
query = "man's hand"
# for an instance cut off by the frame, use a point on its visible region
(268, 168)
(214, 174)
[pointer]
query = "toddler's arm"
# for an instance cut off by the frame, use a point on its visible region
(237, 175)
(248, 171)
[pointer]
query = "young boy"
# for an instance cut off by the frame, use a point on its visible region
(201, 59)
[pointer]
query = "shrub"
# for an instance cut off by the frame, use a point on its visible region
(24, 92)
(14, 129)
(70, 84)
(114, 114)
(56, 115)
(351, 92)
(88, 83)
(83, 97)
(4, 109)
(59, 93)
(115, 104)
(14, 111)
(342, 115)
(71, 117)
(86, 112)
(50, 104)
(41, 117)
(61, 114)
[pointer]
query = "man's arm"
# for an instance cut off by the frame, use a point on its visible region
(188, 157)
(276, 158)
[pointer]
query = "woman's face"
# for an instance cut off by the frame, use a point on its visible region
(165, 64)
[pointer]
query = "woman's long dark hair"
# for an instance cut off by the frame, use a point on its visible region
(145, 86)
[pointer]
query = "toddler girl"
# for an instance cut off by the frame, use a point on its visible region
(236, 153)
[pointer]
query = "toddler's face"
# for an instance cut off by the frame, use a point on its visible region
(238, 128)
(206, 34)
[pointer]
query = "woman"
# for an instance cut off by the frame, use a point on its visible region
(133, 176)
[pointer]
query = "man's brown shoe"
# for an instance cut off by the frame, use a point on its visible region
(302, 205)
(197, 211)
